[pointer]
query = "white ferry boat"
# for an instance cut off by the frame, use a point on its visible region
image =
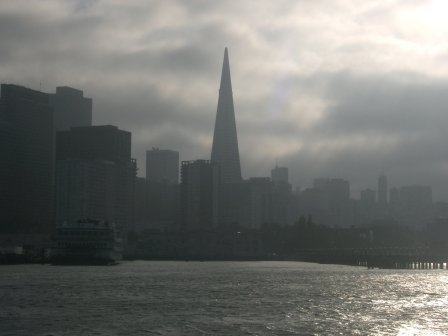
(87, 242)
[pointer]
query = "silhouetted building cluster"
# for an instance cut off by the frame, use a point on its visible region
(56, 168)
(328, 202)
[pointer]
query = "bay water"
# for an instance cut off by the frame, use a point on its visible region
(221, 298)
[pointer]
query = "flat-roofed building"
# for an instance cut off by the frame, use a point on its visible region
(71, 108)
(26, 160)
(99, 159)
(199, 194)
(162, 165)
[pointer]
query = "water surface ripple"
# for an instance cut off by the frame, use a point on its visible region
(221, 298)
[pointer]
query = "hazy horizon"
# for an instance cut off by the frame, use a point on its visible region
(326, 88)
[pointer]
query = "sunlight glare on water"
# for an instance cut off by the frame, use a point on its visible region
(221, 298)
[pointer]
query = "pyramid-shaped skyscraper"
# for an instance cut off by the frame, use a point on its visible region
(225, 141)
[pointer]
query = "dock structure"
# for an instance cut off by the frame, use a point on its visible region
(386, 258)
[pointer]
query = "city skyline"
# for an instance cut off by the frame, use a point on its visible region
(297, 185)
(364, 96)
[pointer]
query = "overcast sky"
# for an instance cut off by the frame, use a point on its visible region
(329, 88)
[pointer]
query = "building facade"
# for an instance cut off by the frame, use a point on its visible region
(26, 161)
(412, 205)
(280, 174)
(382, 191)
(99, 159)
(200, 180)
(328, 202)
(85, 189)
(71, 108)
(162, 165)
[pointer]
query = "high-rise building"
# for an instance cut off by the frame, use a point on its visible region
(141, 202)
(394, 197)
(413, 206)
(382, 191)
(162, 183)
(163, 205)
(260, 202)
(9, 200)
(106, 142)
(314, 203)
(234, 204)
(368, 196)
(199, 194)
(162, 165)
(225, 142)
(280, 174)
(71, 108)
(257, 201)
(26, 161)
(366, 207)
(85, 189)
(284, 203)
(336, 196)
(95, 175)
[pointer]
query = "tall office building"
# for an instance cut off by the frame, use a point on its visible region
(95, 175)
(382, 191)
(257, 201)
(26, 161)
(260, 202)
(199, 194)
(162, 187)
(280, 174)
(366, 207)
(368, 196)
(106, 142)
(9, 205)
(85, 189)
(412, 205)
(71, 108)
(336, 198)
(284, 203)
(313, 202)
(225, 142)
(394, 197)
(162, 165)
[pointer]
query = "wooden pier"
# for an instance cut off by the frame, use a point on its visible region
(387, 258)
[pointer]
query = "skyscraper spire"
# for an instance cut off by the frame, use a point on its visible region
(225, 142)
